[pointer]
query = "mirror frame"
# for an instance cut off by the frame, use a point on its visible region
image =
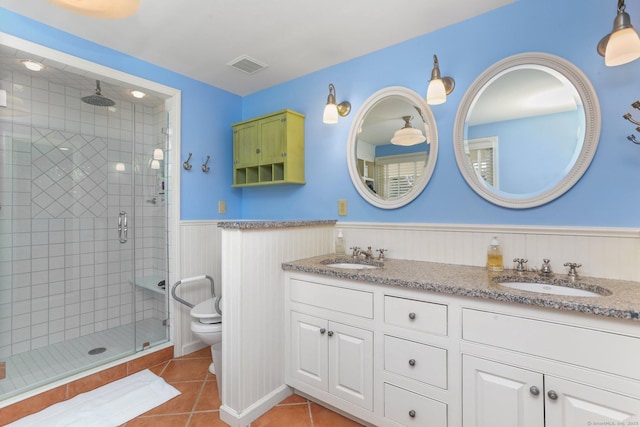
(592, 130)
(432, 136)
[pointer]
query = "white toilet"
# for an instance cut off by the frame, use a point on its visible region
(206, 324)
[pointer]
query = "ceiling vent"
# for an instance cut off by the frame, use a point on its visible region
(247, 64)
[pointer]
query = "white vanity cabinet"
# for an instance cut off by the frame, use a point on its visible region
(544, 373)
(397, 356)
(333, 357)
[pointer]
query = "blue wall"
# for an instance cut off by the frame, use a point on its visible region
(607, 195)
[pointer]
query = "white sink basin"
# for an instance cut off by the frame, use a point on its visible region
(351, 266)
(546, 288)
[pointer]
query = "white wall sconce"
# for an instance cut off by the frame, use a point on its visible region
(108, 9)
(439, 87)
(32, 65)
(120, 167)
(333, 110)
(158, 154)
(408, 135)
(622, 45)
(155, 164)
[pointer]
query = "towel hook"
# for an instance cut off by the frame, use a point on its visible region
(186, 164)
(206, 168)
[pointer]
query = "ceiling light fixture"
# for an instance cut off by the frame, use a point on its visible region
(408, 135)
(333, 110)
(622, 45)
(32, 65)
(138, 94)
(108, 9)
(439, 87)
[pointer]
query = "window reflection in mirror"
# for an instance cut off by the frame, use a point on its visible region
(531, 137)
(386, 174)
(526, 130)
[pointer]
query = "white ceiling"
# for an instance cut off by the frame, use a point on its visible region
(198, 38)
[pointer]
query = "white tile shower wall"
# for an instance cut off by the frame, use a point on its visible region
(603, 252)
(62, 272)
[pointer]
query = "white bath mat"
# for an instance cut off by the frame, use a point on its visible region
(108, 406)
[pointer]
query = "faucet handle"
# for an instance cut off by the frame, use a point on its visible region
(355, 251)
(573, 273)
(520, 268)
(381, 251)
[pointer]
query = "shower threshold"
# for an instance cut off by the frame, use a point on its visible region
(35, 368)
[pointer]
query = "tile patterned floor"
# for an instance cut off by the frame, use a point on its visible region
(199, 402)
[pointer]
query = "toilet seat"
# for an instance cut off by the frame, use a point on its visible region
(205, 328)
(205, 312)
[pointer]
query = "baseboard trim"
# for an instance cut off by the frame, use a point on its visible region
(254, 411)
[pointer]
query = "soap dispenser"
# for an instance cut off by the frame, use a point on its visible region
(340, 249)
(494, 256)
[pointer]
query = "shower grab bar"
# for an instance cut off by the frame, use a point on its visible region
(195, 279)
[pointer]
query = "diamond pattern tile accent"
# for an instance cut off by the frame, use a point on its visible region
(68, 175)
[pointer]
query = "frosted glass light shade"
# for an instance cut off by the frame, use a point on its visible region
(436, 92)
(623, 47)
(158, 154)
(155, 164)
(330, 115)
(408, 136)
(120, 166)
(109, 9)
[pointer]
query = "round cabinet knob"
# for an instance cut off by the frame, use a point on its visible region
(322, 331)
(257, 151)
(412, 362)
(552, 395)
(534, 390)
(330, 333)
(412, 316)
(412, 413)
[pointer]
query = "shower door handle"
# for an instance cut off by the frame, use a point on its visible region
(122, 227)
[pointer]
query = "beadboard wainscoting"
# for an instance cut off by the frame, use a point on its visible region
(253, 314)
(199, 255)
(610, 253)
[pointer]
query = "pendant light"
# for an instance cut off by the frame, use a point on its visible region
(108, 9)
(622, 45)
(408, 135)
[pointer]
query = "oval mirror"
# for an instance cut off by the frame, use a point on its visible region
(392, 147)
(526, 130)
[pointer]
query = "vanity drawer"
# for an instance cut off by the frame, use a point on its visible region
(420, 362)
(417, 315)
(411, 409)
(350, 301)
(590, 348)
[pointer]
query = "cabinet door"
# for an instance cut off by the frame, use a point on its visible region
(581, 405)
(272, 139)
(245, 145)
(351, 364)
(498, 395)
(309, 350)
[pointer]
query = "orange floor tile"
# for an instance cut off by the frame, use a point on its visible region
(199, 402)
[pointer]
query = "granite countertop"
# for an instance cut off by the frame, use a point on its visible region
(621, 299)
(261, 225)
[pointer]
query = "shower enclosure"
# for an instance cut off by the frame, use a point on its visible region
(83, 224)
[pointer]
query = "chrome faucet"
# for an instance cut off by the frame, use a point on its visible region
(545, 270)
(368, 254)
(381, 256)
(355, 251)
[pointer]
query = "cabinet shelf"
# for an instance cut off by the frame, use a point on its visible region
(269, 150)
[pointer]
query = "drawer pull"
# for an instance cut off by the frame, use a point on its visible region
(412, 362)
(412, 316)
(412, 413)
(330, 333)
(552, 395)
(534, 390)
(322, 331)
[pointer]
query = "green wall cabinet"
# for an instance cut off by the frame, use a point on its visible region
(269, 150)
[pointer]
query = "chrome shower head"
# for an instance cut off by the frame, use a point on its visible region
(97, 99)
